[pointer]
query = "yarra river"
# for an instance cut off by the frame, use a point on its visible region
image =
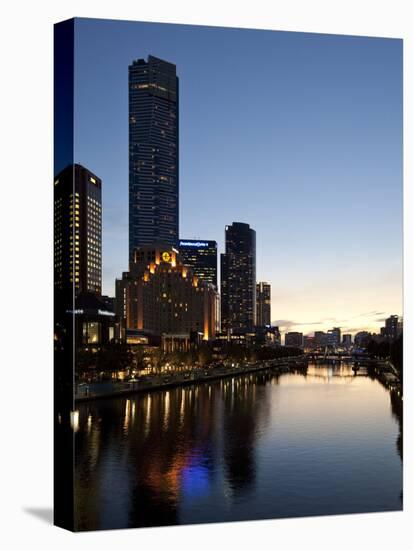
(256, 446)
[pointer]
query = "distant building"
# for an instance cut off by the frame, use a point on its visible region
(362, 339)
(160, 297)
(77, 231)
(153, 153)
(201, 257)
(266, 336)
(392, 328)
(320, 339)
(238, 280)
(294, 339)
(263, 304)
(334, 337)
(347, 340)
(309, 343)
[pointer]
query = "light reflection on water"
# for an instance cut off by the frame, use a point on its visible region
(251, 447)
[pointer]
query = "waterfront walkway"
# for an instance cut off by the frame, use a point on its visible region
(88, 392)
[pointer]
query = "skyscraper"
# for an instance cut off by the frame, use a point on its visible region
(201, 257)
(263, 304)
(153, 153)
(78, 231)
(238, 280)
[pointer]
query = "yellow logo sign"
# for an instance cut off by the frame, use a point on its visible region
(166, 257)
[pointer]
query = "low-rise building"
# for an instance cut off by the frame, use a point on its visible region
(294, 339)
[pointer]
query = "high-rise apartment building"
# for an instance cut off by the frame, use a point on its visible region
(238, 279)
(153, 153)
(263, 304)
(201, 257)
(78, 230)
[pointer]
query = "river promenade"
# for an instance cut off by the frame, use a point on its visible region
(89, 392)
(382, 369)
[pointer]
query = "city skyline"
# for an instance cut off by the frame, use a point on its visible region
(288, 143)
(331, 275)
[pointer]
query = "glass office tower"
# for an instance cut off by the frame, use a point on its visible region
(201, 258)
(238, 279)
(153, 153)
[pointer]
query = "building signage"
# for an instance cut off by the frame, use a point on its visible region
(104, 312)
(198, 244)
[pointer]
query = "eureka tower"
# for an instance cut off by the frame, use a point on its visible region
(153, 153)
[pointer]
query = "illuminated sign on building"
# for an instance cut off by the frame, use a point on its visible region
(198, 244)
(104, 312)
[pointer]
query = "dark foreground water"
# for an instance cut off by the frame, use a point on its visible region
(251, 447)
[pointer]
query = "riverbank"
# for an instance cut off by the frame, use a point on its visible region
(160, 382)
(388, 375)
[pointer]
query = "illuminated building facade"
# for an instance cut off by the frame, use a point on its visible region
(160, 296)
(201, 257)
(153, 153)
(78, 231)
(95, 323)
(263, 304)
(238, 279)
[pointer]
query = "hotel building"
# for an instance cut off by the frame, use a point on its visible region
(161, 297)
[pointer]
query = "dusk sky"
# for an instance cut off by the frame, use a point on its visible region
(297, 134)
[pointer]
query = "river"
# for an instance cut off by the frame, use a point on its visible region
(250, 447)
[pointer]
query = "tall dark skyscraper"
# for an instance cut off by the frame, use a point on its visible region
(201, 258)
(263, 304)
(238, 279)
(78, 230)
(153, 153)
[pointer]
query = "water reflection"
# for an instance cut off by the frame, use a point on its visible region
(255, 446)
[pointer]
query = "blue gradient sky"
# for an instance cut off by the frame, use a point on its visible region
(299, 135)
